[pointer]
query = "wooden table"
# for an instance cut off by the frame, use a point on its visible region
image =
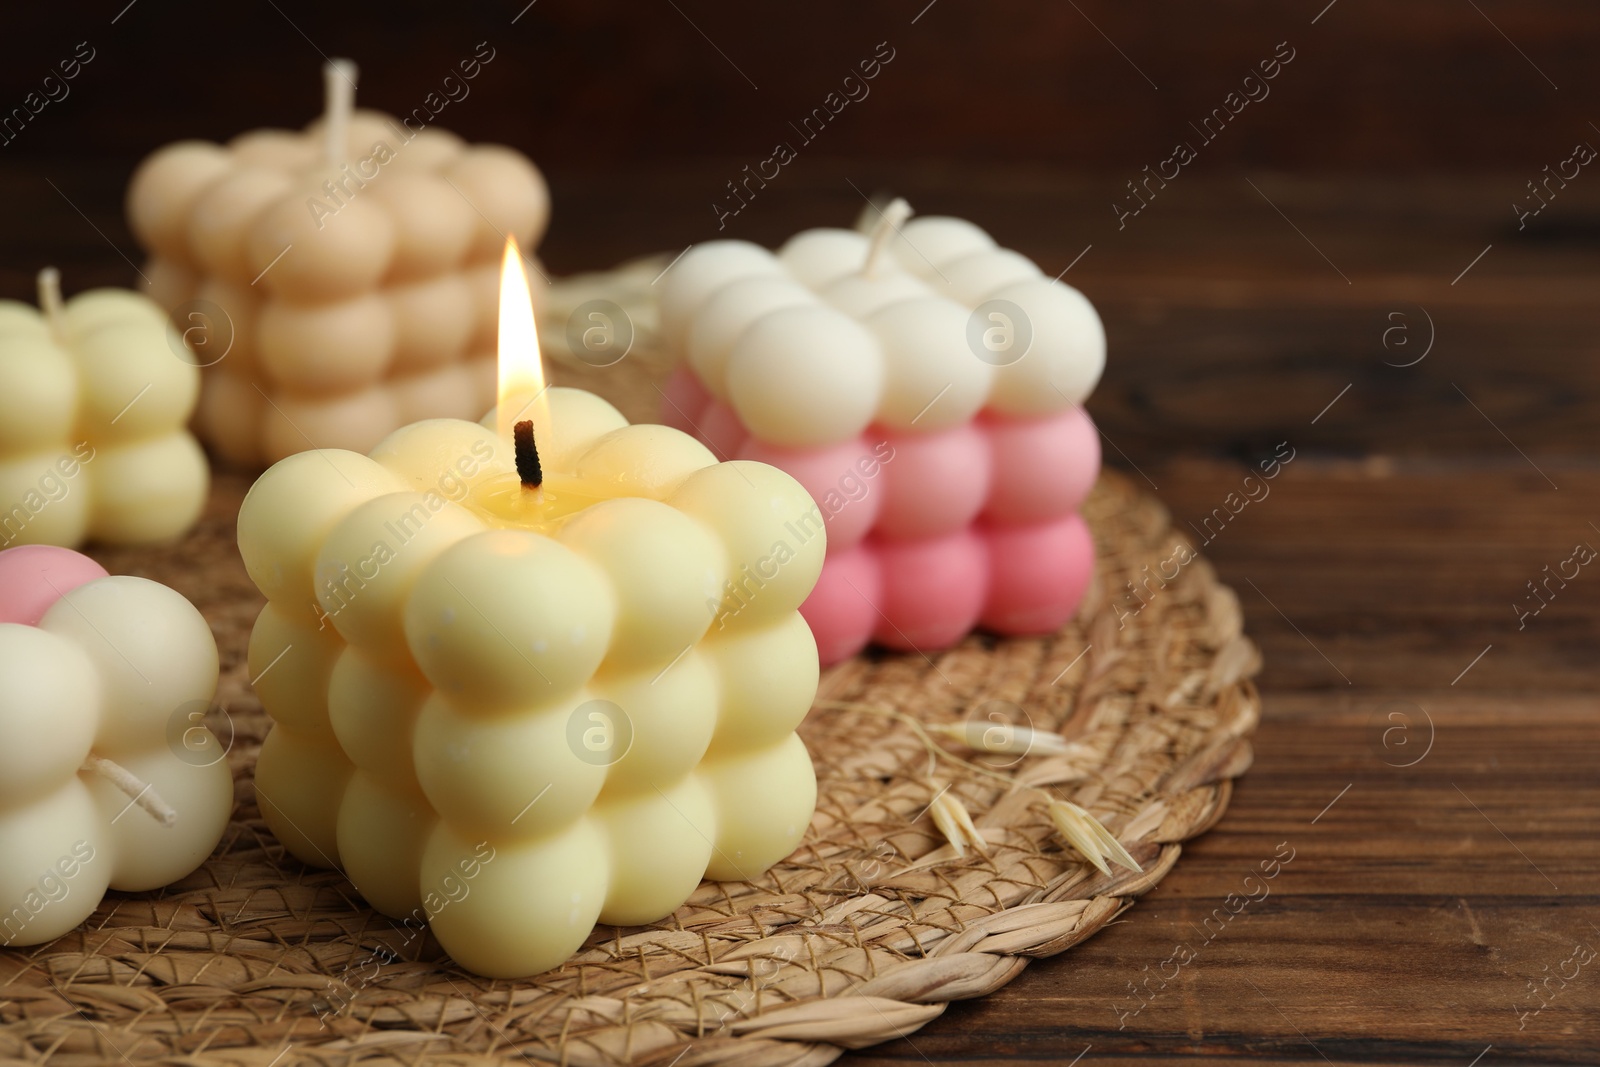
(1428, 760)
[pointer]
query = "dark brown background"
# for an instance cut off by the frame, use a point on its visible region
(1372, 191)
(1376, 86)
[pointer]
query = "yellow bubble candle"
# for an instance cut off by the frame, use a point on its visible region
(535, 672)
(94, 395)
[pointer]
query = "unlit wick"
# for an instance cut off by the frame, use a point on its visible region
(50, 301)
(527, 455)
(139, 791)
(890, 219)
(339, 100)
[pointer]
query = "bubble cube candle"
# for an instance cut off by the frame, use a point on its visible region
(95, 393)
(108, 779)
(926, 387)
(342, 279)
(571, 666)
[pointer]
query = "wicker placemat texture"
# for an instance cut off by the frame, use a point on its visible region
(864, 934)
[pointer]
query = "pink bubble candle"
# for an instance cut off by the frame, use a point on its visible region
(926, 387)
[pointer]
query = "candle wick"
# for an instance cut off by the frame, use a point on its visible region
(139, 791)
(50, 301)
(339, 99)
(527, 455)
(890, 219)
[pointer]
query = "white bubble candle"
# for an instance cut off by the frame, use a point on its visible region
(109, 779)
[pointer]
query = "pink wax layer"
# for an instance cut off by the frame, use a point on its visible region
(932, 534)
(33, 577)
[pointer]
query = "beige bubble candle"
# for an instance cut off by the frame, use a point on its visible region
(95, 395)
(535, 672)
(344, 276)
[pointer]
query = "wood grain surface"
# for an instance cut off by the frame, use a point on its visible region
(1428, 757)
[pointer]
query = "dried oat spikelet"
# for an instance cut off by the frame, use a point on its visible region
(1084, 833)
(1005, 738)
(952, 819)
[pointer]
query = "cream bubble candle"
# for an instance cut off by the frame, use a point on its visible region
(535, 672)
(95, 393)
(108, 779)
(925, 386)
(343, 277)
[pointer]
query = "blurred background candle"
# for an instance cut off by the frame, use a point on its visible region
(95, 393)
(926, 387)
(108, 779)
(347, 271)
(579, 654)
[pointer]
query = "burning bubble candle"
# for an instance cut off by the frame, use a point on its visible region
(108, 779)
(552, 638)
(345, 275)
(94, 396)
(925, 386)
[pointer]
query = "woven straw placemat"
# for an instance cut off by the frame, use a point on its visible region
(864, 934)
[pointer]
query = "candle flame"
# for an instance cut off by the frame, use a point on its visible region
(522, 394)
